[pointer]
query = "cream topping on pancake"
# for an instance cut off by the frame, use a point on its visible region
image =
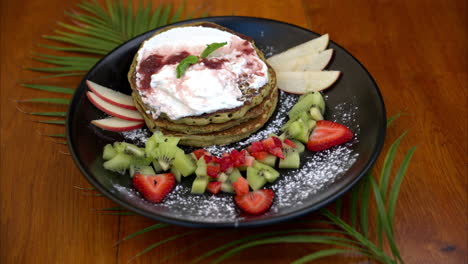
(213, 84)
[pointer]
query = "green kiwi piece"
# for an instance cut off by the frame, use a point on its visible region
(141, 161)
(199, 184)
(305, 102)
(184, 163)
(145, 170)
(227, 187)
(153, 142)
(119, 147)
(311, 125)
(304, 116)
(266, 171)
(177, 174)
(222, 177)
(315, 113)
(109, 152)
(119, 163)
(255, 178)
(299, 130)
(157, 167)
(315, 99)
(165, 154)
(291, 159)
(269, 160)
(235, 174)
(134, 150)
(200, 171)
(299, 146)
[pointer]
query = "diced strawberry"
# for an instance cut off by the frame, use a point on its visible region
(278, 142)
(260, 155)
(269, 144)
(200, 152)
(225, 163)
(278, 152)
(215, 159)
(255, 147)
(207, 158)
(328, 134)
(214, 187)
(154, 187)
(255, 202)
(238, 158)
(290, 143)
(212, 171)
(249, 160)
(225, 155)
(241, 186)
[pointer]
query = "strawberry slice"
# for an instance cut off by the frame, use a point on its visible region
(241, 186)
(215, 159)
(260, 155)
(238, 158)
(207, 159)
(278, 142)
(212, 171)
(255, 147)
(290, 143)
(278, 152)
(214, 187)
(269, 144)
(328, 134)
(255, 202)
(200, 152)
(154, 187)
(249, 161)
(225, 163)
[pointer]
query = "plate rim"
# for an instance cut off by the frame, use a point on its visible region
(234, 224)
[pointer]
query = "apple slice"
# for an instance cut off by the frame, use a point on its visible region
(113, 110)
(314, 62)
(111, 96)
(307, 81)
(116, 124)
(305, 49)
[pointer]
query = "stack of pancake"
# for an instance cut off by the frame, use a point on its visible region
(223, 126)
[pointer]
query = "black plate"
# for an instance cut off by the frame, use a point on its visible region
(354, 100)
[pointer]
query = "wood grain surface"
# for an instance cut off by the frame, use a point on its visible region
(416, 51)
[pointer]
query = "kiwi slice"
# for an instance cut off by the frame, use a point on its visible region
(315, 113)
(308, 100)
(119, 147)
(157, 167)
(266, 171)
(291, 159)
(157, 139)
(199, 184)
(269, 160)
(145, 170)
(200, 171)
(141, 161)
(177, 174)
(134, 150)
(165, 154)
(227, 187)
(299, 146)
(235, 173)
(184, 163)
(299, 130)
(255, 178)
(109, 152)
(304, 116)
(119, 163)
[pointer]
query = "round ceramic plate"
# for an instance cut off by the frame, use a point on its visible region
(354, 100)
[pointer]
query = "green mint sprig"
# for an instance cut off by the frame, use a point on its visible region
(192, 59)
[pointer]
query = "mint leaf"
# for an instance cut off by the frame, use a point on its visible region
(185, 63)
(211, 47)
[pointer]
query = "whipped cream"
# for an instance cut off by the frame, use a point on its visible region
(213, 84)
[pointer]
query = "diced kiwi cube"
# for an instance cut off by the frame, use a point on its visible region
(145, 170)
(134, 150)
(199, 184)
(269, 160)
(266, 171)
(299, 146)
(315, 113)
(290, 161)
(184, 163)
(109, 152)
(201, 168)
(227, 187)
(177, 174)
(222, 177)
(235, 173)
(119, 163)
(255, 179)
(157, 167)
(119, 147)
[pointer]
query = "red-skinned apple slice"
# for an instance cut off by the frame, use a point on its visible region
(314, 62)
(113, 110)
(111, 96)
(116, 124)
(308, 48)
(306, 82)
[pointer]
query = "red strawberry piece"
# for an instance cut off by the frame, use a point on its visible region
(290, 143)
(200, 152)
(260, 155)
(255, 202)
(225, 163)
(238, 158)
(225, 155)
(269, 144)
(278, 142)
(249, 161)
(278, 152)
(207, 159)
(255, 147)
(154, 187)
(215, 159)
(212, 171)
(214, 187)
(241, 186)
(328, 134)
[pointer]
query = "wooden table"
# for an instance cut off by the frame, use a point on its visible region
(416, 51)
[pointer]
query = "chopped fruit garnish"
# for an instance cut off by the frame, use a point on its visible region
(260, 155)
(225, 163)
(255, 202)
(238, 158)
(269, 144)
(278, 142)
(241, 186)
(255, 147)
(290, 143)
(215, 159)
(225, 155)
(214, 187)
(154, 187)
(212, 171)
(278, 152)
(328, 134)
(249, 160)
(207, 158)
(200, 152)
